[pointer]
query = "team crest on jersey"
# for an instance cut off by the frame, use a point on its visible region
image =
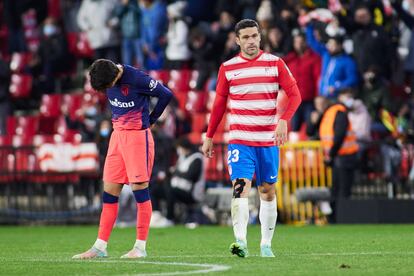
(125, 90)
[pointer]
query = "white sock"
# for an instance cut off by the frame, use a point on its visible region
(100, 244)
(267, 216)
(240, 217)
(140, 244)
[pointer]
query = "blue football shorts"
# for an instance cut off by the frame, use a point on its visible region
(245, 161)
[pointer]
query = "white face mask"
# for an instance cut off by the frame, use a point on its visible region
(349, 102)
(49, 30)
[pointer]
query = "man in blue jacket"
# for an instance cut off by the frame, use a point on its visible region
(339, 70)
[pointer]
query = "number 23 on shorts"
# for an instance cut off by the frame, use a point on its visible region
(233, 156)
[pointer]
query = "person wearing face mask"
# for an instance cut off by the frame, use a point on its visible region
(52, 55)
(340, 146)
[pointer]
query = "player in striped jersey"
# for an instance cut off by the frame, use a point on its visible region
(251, 82)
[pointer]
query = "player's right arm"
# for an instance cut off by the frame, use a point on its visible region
(217, 112)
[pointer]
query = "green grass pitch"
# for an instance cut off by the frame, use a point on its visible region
(308, 250)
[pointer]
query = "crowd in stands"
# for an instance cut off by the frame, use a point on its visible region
(364, 48)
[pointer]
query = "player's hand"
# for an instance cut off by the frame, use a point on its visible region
(208, 148)
(281, 133)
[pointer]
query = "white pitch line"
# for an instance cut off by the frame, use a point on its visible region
(207, 268)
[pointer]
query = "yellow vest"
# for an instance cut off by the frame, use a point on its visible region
(326, 132)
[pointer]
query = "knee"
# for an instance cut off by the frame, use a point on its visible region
(239, 188)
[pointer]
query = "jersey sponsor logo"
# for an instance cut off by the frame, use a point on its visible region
(125, 90)
(273, 176)
(117, 103)
(153, 84)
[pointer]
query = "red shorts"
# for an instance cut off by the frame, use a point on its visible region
(130, 157)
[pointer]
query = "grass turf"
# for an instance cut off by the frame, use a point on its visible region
(309, 250)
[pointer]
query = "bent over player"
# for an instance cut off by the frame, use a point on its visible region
(251, 81)
(131, 148)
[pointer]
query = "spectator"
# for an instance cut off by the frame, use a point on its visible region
(187, 182)
(159, 183)
(305, 66)
(314, 120)
(376, 96)
(372, 47)
(95, 18)
(129, 14)
(265, 16)
(277, 41)
(340, 147)
(177, 53)
(338, 69)
(224, 28)
(4, 94)
(203, 55)
(408, 20)
(154, 25)
(52, 56)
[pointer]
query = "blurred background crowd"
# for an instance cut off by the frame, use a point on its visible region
(360, 53)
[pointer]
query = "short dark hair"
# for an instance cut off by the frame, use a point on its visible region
(102, 72)
(246, 23)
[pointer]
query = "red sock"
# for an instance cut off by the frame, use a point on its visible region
(144, 212)
(108, 218)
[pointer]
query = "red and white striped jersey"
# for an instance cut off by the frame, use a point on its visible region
(251, 87)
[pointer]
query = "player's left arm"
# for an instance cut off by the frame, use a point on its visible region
(154, 88)
(288, 84)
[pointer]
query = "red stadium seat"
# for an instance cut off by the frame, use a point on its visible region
(27, 125)
(193, 79)
(199, 122)
(210, 101)
(65, 134)
(179, 80)
(40, 139)
(6, 140)
(161, 75)
(73, 103)
(181, 98)
(11, 123)
(78, 45)
(21, 85)
(197, 101)
(50, 105)
(22, 140)
(20, 61)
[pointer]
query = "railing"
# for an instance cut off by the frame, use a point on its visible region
(27, 194)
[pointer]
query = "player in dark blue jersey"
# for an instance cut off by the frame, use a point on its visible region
(130, 154)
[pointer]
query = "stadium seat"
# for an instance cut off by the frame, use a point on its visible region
(66, 135)
(78, 45)
(210, 100)
(11, 123)
(6, 159)
(161, 75)
(179, 80)
(196, 101)
(27, 125)
(193, 79)
(73, 103)
(199, 122)
(40, 139)
(6, 140)
(20, 61)
(181, 98)
(50, 105)
(21, 86)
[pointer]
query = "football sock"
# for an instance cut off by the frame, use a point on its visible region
(267, 216)
(144, 212)
(240, 217)
(140, 244)
(108, 217)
